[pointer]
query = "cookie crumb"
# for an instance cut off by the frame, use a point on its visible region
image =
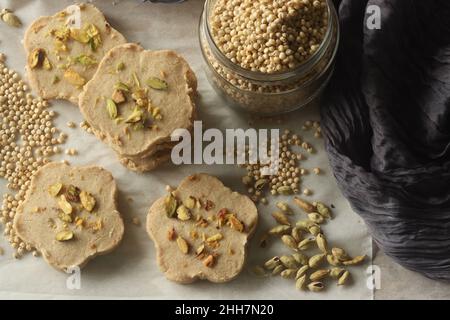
(136, 221)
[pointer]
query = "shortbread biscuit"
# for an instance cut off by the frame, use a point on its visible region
(62, 57)
(70, 214)
(136, 110)
(201, 230)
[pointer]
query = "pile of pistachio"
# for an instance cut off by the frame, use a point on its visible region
(302, 237)
(190, 210)
(144, 111)
(70, 200)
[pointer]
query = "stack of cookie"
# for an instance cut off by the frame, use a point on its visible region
(135, 101)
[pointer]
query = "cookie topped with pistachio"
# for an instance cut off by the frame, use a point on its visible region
(201, 230)
(64, 50)
(136, 99)
(70, 214)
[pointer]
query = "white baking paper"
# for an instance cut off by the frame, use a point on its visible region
(131, 270)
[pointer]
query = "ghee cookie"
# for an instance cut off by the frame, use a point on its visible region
(136, 109)
(70, 214)
(62, 57)
(201, 230)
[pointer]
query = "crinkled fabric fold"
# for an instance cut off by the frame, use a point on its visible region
(387, 127)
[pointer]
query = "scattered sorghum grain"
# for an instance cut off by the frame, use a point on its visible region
(26, 143)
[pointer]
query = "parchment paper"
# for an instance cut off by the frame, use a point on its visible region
(131, 270)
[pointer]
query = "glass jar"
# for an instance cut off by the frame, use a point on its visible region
(263, 93)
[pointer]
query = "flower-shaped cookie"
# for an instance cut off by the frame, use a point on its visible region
(201, 230)
(70, 214)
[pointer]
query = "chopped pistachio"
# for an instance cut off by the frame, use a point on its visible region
(87, 201)
(112, 108)
(120, 67)
(55, 189)
(121, 86)
(136, 116)
(64, 235)
(118, 96)
(79, 35)
(74, 78)
(157, 84)
(36, 58)
(85, 60)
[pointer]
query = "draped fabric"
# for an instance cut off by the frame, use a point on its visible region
(386, 122)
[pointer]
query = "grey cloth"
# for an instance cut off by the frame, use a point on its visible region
(387, 127)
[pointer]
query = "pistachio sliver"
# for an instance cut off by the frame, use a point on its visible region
(85, 60)
(183, 213)
(111, 108)
(157, 84)
(121, 86)
(135, 116)
(79, 35)
(46, 64)
(137, 83)
(120, 67)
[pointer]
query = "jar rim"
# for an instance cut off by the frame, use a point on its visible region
(304, 67)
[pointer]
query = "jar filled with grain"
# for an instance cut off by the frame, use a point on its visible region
(269, 56)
